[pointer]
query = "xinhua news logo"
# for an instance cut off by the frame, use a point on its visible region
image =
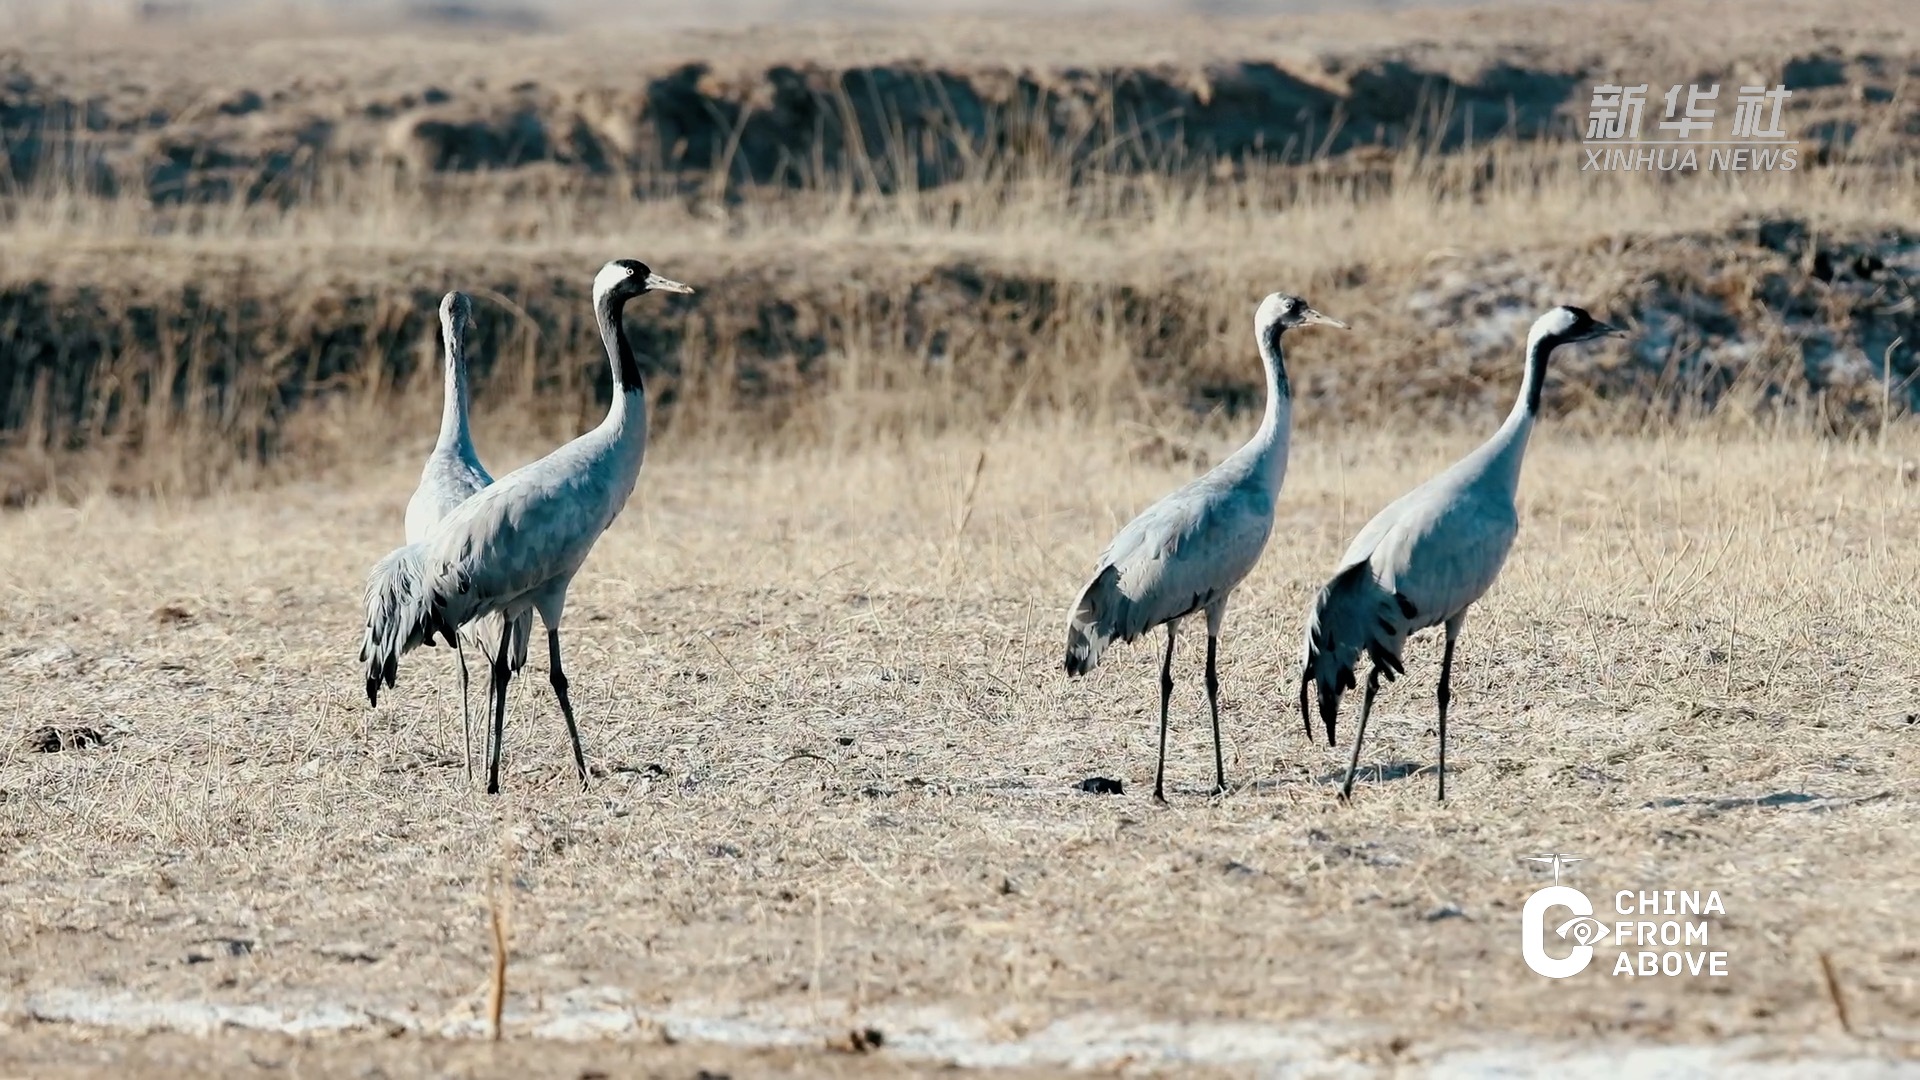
(1659, 933)
(1755, 142)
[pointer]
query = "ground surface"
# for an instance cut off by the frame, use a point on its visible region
(836, 768)
(836, 824)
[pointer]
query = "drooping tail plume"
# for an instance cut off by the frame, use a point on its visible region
(400, 616)
(1343, 625)
(1095, 617)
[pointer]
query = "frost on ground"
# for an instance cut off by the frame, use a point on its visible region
(1095, 1042)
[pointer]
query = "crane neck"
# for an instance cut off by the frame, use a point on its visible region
(1539, 347)
(1509, 445)
(629, 389)
(455, 434)
(1270, 442)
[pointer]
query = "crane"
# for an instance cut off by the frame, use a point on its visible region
(1187, 552)
(1426, 558)
(516, 545)
(451, 474)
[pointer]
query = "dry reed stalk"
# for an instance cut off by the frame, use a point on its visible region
(497, 985)
(1835, 995)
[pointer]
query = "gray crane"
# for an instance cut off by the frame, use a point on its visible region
(514, 546)
(1426, 558)
(453, 473)
(1187, 552)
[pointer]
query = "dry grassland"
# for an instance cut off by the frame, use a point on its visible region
(836, 765)
(835, 761)
(157, 351)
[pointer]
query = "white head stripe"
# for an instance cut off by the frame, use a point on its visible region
(1556, 322)
(610, 275)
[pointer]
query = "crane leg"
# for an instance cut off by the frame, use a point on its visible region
(466, 712)
(1444, 695)
(1306, 678)
(559, 678)
(1166, 695)
(1213, 705)
(1360, 732)
(501, 673)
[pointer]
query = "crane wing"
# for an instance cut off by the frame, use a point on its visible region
(1185, 552)
(508, 539)
(1445, 553)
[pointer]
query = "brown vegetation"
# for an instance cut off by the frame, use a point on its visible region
(838, 797)
(837, 769)
(233, 275)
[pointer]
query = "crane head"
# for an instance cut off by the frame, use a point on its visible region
(1567, 324)
(624, 279)
(456, 309)
(1280, 312)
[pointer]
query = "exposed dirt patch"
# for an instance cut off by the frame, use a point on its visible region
(897, 106)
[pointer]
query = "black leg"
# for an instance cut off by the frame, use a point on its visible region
(1166, 695)
(1360, 733)
(1445, 694)
(466, 713)
(500, 676)
(1213, 704)
(559, 678)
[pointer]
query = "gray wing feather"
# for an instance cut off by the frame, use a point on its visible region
(528, 528)
(1182, 554)
(399, 616)
(1446, 555)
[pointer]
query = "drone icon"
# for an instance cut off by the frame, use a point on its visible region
(1558, 861)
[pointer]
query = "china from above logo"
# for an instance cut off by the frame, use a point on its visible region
(1759, 142)
(1675, 945)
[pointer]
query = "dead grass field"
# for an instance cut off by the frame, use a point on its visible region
(836, 763)
(238, 309)
(174, 351)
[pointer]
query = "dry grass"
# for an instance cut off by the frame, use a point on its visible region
(835, 760)
(816, 662)
(200, 347)
(176, 348)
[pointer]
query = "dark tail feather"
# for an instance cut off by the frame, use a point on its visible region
(1094, 618)
(1334, 642)
(1081, 655)
(400, 617)
(1330, 701)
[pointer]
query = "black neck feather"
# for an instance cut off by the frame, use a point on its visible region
(1536, 378)
(1277, 361)
(607, 309)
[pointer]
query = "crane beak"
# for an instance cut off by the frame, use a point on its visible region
(1312, 316)
(656, 283)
